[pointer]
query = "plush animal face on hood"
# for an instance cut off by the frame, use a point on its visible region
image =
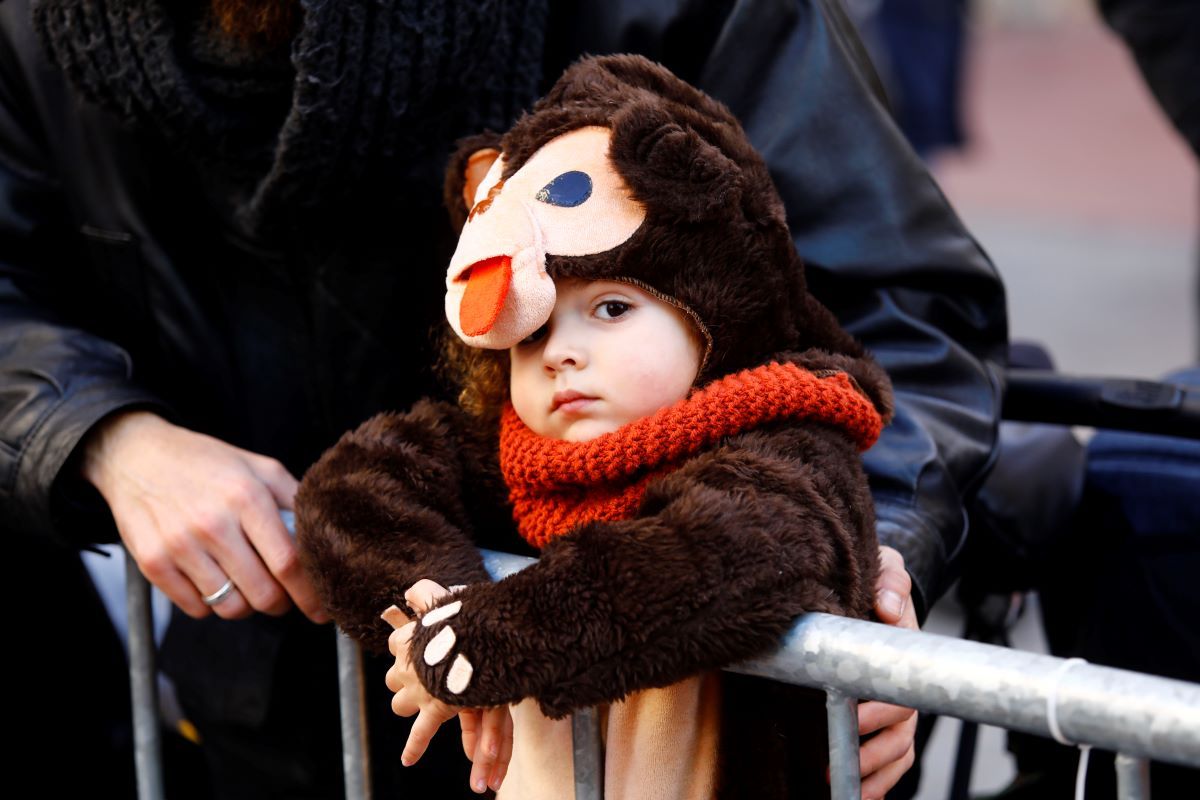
(567, 200)
(624, 172)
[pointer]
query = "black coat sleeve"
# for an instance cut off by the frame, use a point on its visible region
(883, 248)
(57, 380)
(401, 498)
(724, 554)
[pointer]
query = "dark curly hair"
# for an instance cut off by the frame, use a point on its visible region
(479, 377)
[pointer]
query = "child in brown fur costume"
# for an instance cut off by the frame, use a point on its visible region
(682, 447)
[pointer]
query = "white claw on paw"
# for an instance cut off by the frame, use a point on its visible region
(440, 613)
(439, 646)
(459, 675)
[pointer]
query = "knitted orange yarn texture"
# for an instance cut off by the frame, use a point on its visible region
(556, 486)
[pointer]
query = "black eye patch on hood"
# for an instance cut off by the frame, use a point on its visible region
(568, 190)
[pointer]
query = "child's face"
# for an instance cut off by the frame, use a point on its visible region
(610, 354)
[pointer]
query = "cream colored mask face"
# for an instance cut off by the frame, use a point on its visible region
(567, 200)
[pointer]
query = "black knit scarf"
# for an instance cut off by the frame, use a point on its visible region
(368, 89)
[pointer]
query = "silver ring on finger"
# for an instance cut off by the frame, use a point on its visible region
(219, 595)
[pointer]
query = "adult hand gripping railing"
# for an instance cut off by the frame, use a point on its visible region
(147, 749)
(1139, 716)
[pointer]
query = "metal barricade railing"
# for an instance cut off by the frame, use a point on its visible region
(147, 749)
(1138, 716)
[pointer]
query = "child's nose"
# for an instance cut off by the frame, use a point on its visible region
(563, 349)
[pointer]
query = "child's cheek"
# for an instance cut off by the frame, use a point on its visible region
(525, 392)
(654, 386)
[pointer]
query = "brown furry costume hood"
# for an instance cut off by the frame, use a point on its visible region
(714, 236)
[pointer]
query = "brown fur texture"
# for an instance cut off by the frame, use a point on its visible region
(723, 553)
(388, 505)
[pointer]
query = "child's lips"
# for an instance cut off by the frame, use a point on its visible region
(570, 401)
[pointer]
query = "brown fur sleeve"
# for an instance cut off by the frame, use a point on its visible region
(725, 553)
(394, 501)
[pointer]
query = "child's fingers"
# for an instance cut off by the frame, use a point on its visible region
(423, 594)
(401, 673)
(469, 719)
(487, 749)
(482, 761)
(494, 750)
(423, 729)
(394, 616)
(499, 774)
(404, 704)
(506, 749)
(394, 679)
(479, 773)
(398, 639)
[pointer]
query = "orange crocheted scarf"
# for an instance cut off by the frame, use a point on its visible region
(555, 485)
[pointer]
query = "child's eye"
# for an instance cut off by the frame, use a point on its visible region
(568, 190)
(534, 337)
(611, 309)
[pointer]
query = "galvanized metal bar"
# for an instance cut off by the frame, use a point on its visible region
(1141, 715)
(1133, 778)
(147, 747)
(1128, 712)
(501, 565)
(842, 713)
(356, 757)
(588, 753)
(356, 751)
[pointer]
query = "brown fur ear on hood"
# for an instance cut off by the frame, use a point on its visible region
(456, 174)
(674, 168)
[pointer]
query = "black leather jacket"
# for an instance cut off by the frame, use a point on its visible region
(121, 285)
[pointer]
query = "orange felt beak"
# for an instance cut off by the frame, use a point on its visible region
(487, 289)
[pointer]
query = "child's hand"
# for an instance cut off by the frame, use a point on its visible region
(487, 736)
(411, 697)
(487, 733)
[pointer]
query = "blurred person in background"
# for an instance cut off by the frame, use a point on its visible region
(1164, 38)
(919, 51)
